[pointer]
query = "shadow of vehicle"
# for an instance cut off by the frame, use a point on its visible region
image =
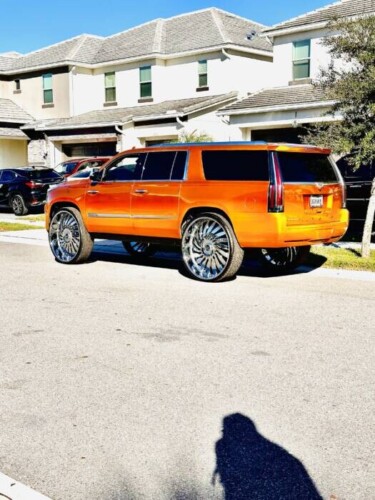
(170, 258)
(250, 467)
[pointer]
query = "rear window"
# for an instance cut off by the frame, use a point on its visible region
(46, 173)
(235, 165)
(306, 167)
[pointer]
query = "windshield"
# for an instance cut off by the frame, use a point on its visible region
(66, 167)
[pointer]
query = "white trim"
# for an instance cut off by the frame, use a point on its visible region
(18, 491)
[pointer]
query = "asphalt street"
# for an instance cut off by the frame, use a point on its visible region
(130, 381)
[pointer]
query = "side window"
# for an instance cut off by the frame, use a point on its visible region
(179, 167)
(127, 168)
(235, 165)
(161, 166)
(47, 89)
(8, 176)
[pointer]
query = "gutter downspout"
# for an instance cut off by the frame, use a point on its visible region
(181, 123)
(225, 54)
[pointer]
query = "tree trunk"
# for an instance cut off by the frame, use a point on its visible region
(366, 238)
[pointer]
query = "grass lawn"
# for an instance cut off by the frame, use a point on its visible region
(17, 226)
(340, 258)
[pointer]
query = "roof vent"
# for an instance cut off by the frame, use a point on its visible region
(251, 35)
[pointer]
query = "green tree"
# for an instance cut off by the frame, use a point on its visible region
(194, 136)
(350, 82)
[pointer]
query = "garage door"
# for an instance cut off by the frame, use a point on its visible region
(89, 149)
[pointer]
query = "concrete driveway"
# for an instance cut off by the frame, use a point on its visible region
(126, 381)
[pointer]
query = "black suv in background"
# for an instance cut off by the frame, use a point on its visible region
(358, 189)
(26, 187)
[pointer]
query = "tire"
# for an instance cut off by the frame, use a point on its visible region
(283, 259)
(139, 249)
(18, 205)
(68, 237)
(210, 249)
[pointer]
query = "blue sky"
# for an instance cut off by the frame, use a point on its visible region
(27, 25)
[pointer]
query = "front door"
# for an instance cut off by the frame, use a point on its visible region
(108, 201)
(155, 197)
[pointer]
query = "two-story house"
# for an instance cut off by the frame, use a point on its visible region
(94, 96)
(290, 101)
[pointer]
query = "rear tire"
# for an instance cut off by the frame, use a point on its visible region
(68, 237)
(283, 259)
(139, 249)
(210, 249)
(18, 205)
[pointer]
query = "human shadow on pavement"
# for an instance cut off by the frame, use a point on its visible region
(250, 467)
(169, 258)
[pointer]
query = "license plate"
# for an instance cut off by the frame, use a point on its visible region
(316, 201)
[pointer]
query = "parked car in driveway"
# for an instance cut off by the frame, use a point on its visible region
(26, 187)
(358, 185)
(70, 167)
(213, 199)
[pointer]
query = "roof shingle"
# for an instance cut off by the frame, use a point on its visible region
(11, 112)
(342, 9)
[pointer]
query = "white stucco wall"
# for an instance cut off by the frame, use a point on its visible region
(13, 153)
(283, 56)
(171, 79)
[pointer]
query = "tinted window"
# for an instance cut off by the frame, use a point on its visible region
(306, 167)
(159, 166)
(46, 173)
(352, 173)
(235, 165)
(8, 176)
(179, 166)
(127, 168)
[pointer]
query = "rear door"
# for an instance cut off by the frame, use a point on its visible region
(155, 198)
(312, 187)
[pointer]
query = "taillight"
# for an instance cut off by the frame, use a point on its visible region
(343, 194)
(276, 189)
(31, 184)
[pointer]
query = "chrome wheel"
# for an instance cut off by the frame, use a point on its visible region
(65, 236)
(139, 248)
(280, 257)
(206, 248)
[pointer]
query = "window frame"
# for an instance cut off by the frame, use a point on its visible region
(298, 62)
(45, 90)
(143, 83)
(110, 87)
(170, 179)
(202, 73)
(115, 163)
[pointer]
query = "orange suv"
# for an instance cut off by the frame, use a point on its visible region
(214, 199)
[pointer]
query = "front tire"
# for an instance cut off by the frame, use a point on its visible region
(283, 259)
(68, 237)
(210, 249)
(18, 205)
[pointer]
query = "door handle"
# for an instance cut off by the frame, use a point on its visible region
(92, 192)
(141, 191)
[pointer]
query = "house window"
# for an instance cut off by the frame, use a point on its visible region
(301, 59)
(47, 89)
(17, 85)
(202, 74)
(145, 81)
(110, 86)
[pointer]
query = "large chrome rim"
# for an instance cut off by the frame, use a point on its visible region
(139, 247)
(280, 257)
(206, 248)
(17, 204)
(64, 236)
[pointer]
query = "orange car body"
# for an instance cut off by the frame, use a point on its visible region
(158, 208)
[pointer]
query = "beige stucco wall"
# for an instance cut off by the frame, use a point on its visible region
(13, 153)
(30, 97)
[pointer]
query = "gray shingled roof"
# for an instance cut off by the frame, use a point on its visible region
(294, 95)
(344, 8)
(166, 109)
(206, 29)
(12, 113)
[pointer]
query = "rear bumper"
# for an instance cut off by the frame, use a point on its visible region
(276, 233)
